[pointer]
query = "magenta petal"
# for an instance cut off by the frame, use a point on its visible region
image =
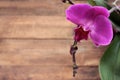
(101, 32)
(95, 11)
(75, 13)
(91, 15)
(99, 10)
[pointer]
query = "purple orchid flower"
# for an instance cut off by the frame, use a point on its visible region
(91, 21)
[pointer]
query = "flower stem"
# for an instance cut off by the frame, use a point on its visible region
(73, 50)
(112, 9)
(69, 1)
(116, 7)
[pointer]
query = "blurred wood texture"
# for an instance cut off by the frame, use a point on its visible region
(35, 39)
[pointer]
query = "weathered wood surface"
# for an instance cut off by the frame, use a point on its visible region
(35, 27)
(32, 7)
(48, 73)
(46, 52)
(35, 39)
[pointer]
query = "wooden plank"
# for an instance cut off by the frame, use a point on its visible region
(47, 52)
(47, 73)
(35, 27)
(33, 7)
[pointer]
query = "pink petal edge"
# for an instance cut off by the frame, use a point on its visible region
(101, 32)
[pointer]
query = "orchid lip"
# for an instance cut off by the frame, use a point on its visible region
(80, 33)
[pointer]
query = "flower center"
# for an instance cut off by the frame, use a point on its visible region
(80, 34)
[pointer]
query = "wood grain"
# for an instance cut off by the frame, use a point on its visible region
(35, 27)
(46, 52)
(33, 7)
(43, 72)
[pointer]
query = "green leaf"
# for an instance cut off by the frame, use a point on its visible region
(109, 66)
(114, 16)
(102, 3)
(92, 2)
(99, 3)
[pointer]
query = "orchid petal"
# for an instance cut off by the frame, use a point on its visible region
(99, 10)
(91, 15)
(76, 13)
(95, 11)
(101, 32)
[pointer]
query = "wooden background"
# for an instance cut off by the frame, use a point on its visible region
(35, 39)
